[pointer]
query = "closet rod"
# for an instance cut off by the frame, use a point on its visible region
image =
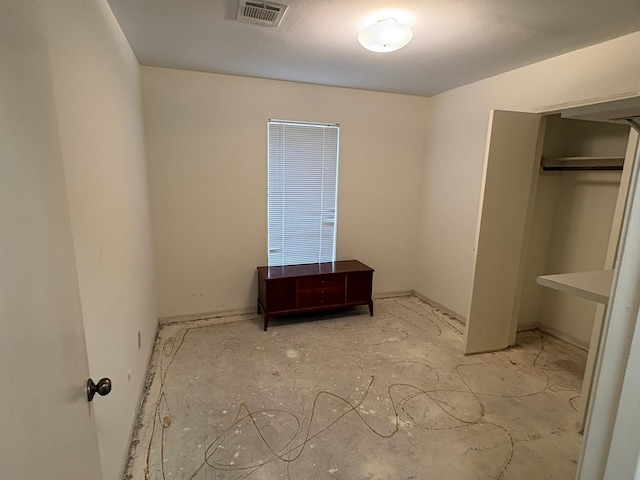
(559, 164)
(582, 159)
(583, 168)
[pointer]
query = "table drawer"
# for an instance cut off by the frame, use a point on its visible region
(321, 290)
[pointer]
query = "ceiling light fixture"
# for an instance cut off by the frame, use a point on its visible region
(386, 35)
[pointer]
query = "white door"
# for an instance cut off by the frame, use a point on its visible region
(510, 171)
(46, 428)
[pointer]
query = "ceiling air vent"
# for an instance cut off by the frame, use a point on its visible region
(261, 13)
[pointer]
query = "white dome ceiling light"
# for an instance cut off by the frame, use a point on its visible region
(386, 35)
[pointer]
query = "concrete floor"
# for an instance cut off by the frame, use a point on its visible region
(348, 396)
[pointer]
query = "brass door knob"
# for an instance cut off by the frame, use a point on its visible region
(102, 388)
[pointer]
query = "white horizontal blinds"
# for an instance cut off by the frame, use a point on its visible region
(302, 189)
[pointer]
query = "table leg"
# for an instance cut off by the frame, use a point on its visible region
(371, 307)
(266, 321)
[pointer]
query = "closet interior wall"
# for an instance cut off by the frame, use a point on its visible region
(572, 221)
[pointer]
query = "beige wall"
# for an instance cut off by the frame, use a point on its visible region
(99, 113)
(206, 140)
(456, 145)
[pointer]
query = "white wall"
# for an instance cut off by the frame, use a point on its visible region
(206, 142)
(456, 145)
(99, 113)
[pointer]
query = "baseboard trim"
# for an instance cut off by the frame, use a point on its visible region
(399, 293)
(212, 315)
(142, 396)
(218, 316)
(564, 337)
(439, 306)
(526, 327)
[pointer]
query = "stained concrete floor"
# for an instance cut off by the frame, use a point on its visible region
(347, 396)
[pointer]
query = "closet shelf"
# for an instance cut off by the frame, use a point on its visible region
(594, 285)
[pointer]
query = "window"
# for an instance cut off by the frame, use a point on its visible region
(302, 192)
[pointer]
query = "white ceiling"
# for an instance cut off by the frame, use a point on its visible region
(455, 41)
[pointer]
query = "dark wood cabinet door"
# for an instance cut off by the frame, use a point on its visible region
(359, 286)
(281, 294)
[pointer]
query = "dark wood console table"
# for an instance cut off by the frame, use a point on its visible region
(313, 287)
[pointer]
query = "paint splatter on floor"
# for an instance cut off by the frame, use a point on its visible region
(345, 395)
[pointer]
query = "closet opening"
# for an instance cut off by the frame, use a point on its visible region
(553, 201)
